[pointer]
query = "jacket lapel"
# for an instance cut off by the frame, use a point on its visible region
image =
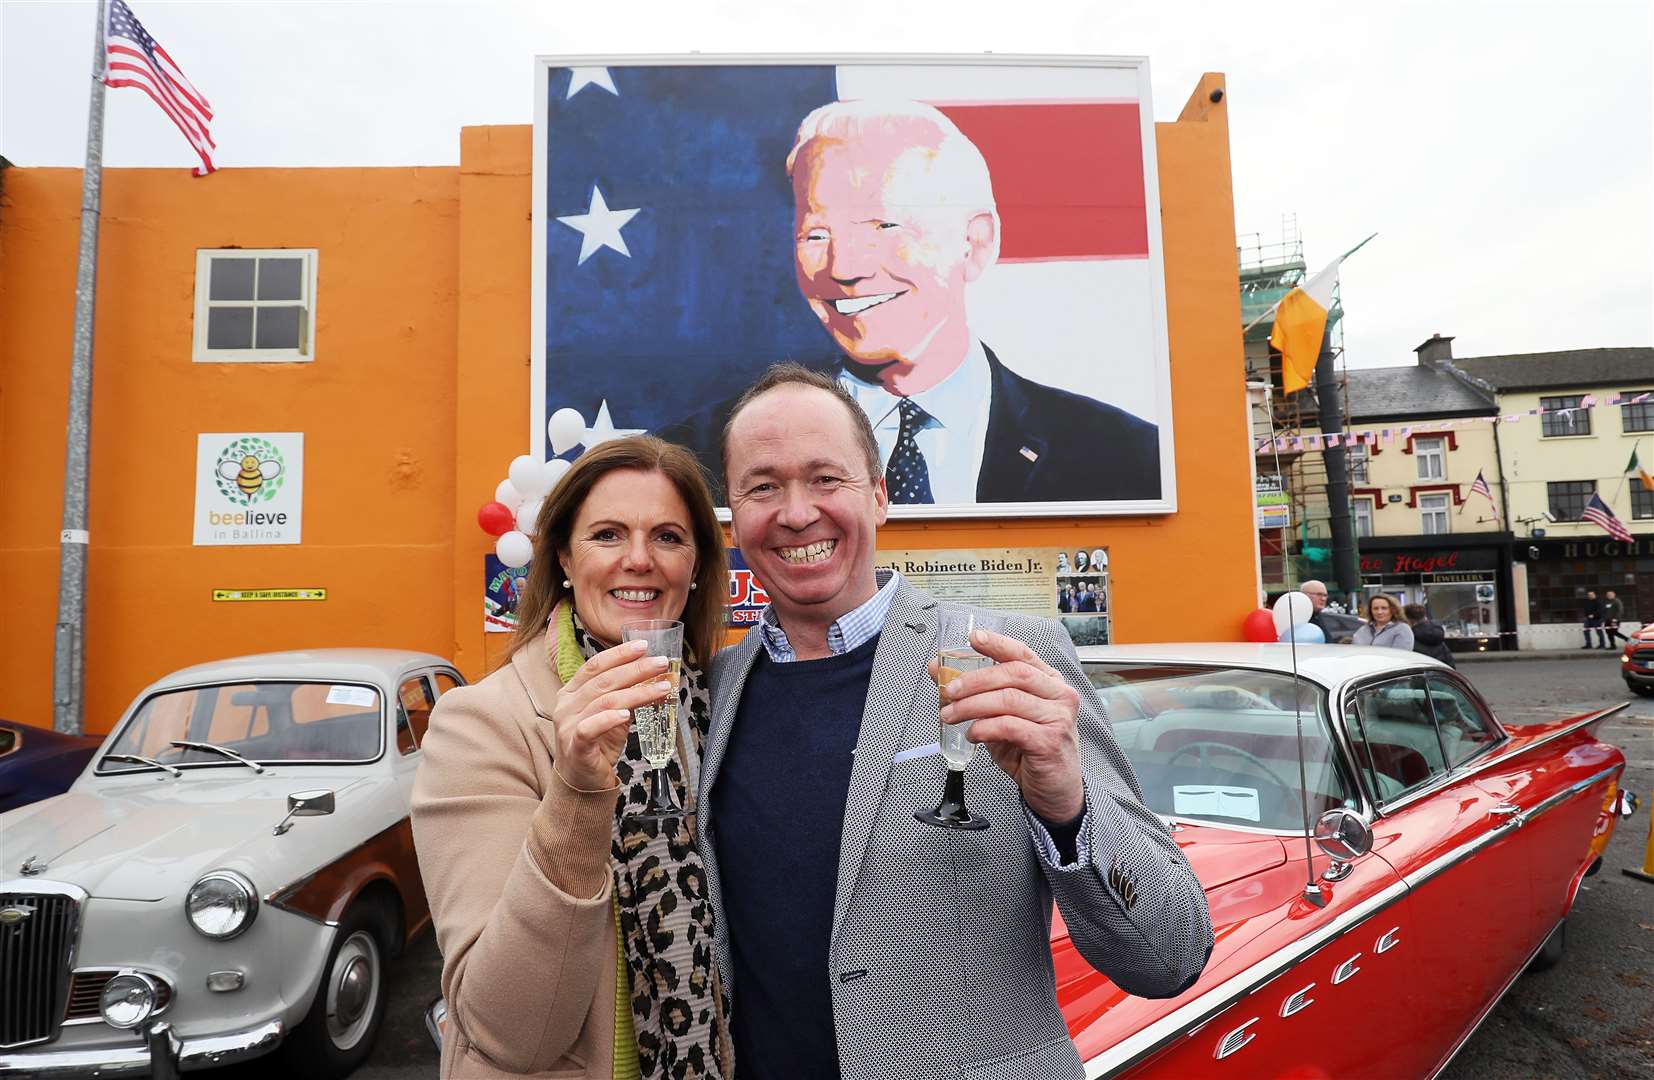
(905, 645)
(1013, 453)
(732, 667)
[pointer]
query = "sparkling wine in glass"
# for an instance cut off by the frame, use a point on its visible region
(657, 724)
(955, 657)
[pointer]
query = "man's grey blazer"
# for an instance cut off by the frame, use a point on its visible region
(940, 961)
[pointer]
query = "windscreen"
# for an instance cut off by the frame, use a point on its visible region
(261, 721)
(1221, 745)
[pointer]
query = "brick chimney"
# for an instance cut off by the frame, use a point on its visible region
(1434, 351)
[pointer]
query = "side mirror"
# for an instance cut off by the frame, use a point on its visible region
(1344, 835)
(317, 803)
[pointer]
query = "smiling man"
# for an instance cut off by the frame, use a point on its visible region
(854, 940)
(894, 219)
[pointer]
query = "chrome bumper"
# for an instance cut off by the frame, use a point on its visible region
(163, 1056)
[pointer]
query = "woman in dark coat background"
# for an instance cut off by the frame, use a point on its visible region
(1428, 637)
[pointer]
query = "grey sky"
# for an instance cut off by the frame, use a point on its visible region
(1504, 152)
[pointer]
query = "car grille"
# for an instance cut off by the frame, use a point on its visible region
(34, 965)
(86, 987)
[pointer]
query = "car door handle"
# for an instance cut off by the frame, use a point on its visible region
(1507, 810)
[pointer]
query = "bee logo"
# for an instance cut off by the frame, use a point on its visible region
(249, 470)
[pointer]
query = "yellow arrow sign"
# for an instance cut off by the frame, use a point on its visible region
(269, 594)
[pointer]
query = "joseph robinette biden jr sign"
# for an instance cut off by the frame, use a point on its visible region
(249, 488)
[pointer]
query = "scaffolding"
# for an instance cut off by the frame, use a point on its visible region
(1269, 269)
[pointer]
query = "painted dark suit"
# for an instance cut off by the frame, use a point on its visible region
(1043, 445)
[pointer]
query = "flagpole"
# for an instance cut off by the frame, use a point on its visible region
(68, 655)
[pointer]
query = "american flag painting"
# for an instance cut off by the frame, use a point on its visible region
(673, 260)
(136, 59)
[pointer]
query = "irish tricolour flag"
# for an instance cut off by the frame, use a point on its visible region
(1301, 322)
(1637, 472)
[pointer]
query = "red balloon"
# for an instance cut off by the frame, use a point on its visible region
(1259, 625)
(496, 519)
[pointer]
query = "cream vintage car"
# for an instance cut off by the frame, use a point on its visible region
(227, 878)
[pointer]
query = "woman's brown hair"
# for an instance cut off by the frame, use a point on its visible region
(1395, 608)
(703, 613)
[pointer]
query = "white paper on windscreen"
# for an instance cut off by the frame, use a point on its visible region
(351, 695)
(1213, 800)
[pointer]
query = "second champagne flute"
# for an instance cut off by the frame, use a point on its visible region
(657, 724)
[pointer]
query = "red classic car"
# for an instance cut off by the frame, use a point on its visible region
(1364, 952)
(1637, 661)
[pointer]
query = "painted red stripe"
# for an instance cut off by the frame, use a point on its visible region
(162, 85)
(1068, 177)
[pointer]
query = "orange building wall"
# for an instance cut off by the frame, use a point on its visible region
(375, 407)
(418, 399)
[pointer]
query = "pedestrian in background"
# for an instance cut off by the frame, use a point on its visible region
(1613, 610)
(1428, 636)
(1384, 626)
(1593, 620)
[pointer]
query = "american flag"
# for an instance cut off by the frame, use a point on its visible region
(136, 59)
(1597, 513)
(1480, 487)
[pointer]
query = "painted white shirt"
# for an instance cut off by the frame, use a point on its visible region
(952, 440)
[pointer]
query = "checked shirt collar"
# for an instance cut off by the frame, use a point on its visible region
(849, 631)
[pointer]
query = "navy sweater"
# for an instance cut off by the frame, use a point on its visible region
(778, 811)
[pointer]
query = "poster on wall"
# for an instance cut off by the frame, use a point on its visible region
(249, 488)
(502, 589)
(1056, 583)
(747, 597)
(970, 247)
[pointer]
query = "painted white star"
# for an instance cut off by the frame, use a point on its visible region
(603, 428)
(582, 77)
(599, 227)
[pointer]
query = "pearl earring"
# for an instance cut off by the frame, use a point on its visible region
(693, 585)
(566, 584)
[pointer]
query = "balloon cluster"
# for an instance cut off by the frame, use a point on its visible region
(1289, 621)
(512, 516)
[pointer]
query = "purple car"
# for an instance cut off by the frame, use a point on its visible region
(36, 763)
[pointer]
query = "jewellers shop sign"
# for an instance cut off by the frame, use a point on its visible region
(1427, 562)
(249, 489)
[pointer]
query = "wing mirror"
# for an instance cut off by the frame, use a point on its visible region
(305, 804)
(1345, 836)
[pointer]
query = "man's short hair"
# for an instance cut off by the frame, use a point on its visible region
(1305, 587)
(1414, 612)
(791, 374)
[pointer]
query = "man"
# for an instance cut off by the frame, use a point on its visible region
(1593, 620)
(855, 940)
(895, 216)
(1331, 628)
(1613, 610)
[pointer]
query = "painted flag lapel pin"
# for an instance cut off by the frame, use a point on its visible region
(1029, 454)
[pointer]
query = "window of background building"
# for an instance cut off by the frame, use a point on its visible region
(1553, 424)
(1642, 503)
(1357, 456)
(1556, 587)
(1432, 455)
(1362, 511)
(1566, 499)
(255, 305)
(1433, 514)
(1639, 417)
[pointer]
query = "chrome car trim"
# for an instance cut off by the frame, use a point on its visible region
(1297, 1001)
(1346, 971)
(1236, 1039)
(160, 980)
(197, 1053)
(1387, 942)
(21, 992)
(1182, 1021)
(1494, 835)
(246, 885)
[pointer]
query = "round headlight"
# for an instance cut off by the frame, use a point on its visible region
(128, 999)
(222, 904)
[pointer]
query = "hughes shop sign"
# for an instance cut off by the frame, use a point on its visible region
(249, 489)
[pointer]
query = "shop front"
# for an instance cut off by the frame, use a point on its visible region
(1560, 574)
(1464, 582)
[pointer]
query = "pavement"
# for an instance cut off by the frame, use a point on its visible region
(1590, 1016)
(1538, 654)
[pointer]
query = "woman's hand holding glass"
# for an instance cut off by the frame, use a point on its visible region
(593, 712)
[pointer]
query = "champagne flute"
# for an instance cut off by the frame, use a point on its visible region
(954, 657)
(657, 725)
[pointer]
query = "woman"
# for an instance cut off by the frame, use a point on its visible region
(576, 939)
(1384, 626)
(1428, 636)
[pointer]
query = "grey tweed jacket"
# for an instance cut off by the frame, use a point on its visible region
(940, 961)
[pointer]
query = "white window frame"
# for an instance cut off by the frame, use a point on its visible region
(1361, 517)
(1358, 459)
(1428, 450)
(201, 354)
(1432, 503)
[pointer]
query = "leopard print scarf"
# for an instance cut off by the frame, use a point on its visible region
(666, 920)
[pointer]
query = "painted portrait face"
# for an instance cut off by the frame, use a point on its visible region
(880, 262)
(631, 553)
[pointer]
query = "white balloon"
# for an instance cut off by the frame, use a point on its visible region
(514, 549)
(526, 476)
(552, 471)
(1292, 609)
(566, 428)
(527, 514)
(508, 496)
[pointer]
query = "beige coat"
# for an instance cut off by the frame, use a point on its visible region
(516, 866)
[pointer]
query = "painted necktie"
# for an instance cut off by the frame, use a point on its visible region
(907, 477)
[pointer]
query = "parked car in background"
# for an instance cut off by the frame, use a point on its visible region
(1443, 853)
(1637, 661)
(1339, 626)
(36, 762)
(228, 876)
